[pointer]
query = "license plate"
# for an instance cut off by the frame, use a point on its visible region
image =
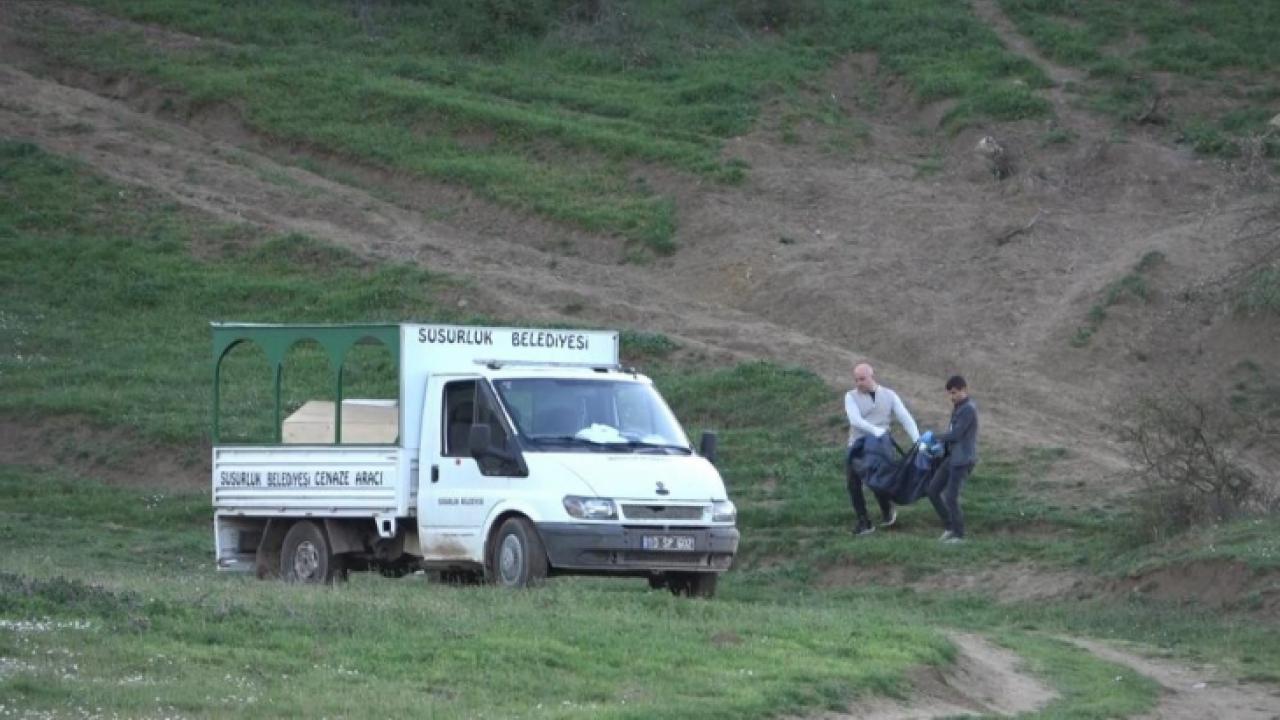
(667, 542)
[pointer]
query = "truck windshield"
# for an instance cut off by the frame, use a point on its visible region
(563, 415)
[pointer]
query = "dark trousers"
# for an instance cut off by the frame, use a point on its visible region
(854, 481)
(944, 493)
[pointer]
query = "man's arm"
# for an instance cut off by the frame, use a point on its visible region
(965, 420)
(856, 419)
(907, 422)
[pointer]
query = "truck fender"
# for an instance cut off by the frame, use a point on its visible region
(499, 515)
(344, 536)
(267, 560)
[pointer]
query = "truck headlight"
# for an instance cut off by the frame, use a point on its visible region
(723, 511)
(590, 508)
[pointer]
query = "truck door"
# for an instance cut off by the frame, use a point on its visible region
(459, 493)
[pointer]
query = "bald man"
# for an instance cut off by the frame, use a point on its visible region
(871, 408)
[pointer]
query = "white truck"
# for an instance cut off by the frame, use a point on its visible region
(509, 455)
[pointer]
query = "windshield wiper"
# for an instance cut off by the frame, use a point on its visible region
(640, 444)
(563, 439)
(587, 442)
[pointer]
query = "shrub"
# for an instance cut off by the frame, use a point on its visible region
(1261, 293)
(776, 14)
(1194, 460)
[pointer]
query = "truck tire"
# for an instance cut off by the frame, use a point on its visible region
(693, 584)
(517, 558)
(305, 556)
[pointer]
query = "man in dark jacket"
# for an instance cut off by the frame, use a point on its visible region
(960, 445)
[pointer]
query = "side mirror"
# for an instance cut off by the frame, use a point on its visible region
(707, 447)
(479, 441)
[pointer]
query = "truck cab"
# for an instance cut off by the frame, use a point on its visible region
(516, 454)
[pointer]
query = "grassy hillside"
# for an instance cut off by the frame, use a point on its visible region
(1215, 64)
(545, 106)
(108, 598)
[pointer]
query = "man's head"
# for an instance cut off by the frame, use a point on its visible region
(864, 377)
(957, 388)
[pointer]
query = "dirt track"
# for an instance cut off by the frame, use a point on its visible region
(511, 278)
(984, 679)
(881, 263)
(1193, 693)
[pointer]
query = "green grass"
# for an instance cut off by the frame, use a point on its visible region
(134, 619)
(1079, 679)
(535, 109)
(1132, 285)
(1252, 541)
(107, 314)
(1261, 293)
(1175, 37)
(1225, 48)
(143, 624)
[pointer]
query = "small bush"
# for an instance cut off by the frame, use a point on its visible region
(1194, 460)
(776, 14)
(60, 596)
(639, 346)
(299, 253)
(492, 27)
(1209, 140)
(1132, 285)
(1261, 293)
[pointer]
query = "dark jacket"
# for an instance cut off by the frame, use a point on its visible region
(961, 437)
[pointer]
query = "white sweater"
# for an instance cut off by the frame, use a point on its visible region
(869, 416)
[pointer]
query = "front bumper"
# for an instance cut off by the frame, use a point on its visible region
(620, 548)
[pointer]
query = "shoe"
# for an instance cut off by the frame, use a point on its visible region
(946, 535)
(888, 521)
(954, 540)
(864, 527)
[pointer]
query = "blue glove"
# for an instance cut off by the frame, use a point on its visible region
(927, 437)
(935, 449)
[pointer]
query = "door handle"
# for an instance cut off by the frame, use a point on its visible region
(435, 473)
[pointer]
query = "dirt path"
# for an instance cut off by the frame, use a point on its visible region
(984, 680)
(509, 277)
(879, 263)
(989, 680)
(1194, 693)
(1074, 119)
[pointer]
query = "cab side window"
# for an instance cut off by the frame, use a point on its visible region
(488, 412)
(458, 410)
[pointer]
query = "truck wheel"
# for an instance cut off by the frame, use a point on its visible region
(693, 584)
(305, 556)
(657, 581)
(517, 558)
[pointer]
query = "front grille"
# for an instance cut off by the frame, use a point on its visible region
(663, 512)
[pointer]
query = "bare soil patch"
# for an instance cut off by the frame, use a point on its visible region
(1210, 583)
(880, 263)
(1193, 692)
(1217, 584)
(1006, 583)
(984, 680)
(113, 455)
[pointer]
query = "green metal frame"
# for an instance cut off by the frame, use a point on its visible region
(275, 341)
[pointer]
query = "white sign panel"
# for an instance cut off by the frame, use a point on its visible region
(309, 477)
(426, 349)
